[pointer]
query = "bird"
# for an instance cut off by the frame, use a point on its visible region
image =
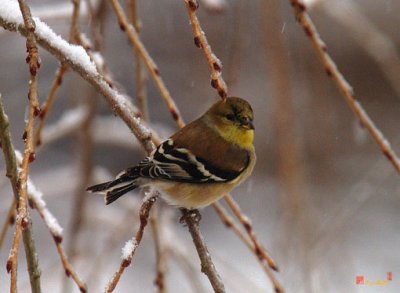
(199, 164)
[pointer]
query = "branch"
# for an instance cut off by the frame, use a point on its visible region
(8, 222)
(129, 250)
(259, 250)
(159, 244)
(267, 263)
(23, 219)
(192, 219)
(201, 42)
(140, 74)
(37, 202)
(151, 66)
(12, 174)
(344, 87)
(79, 61)
(46, 106)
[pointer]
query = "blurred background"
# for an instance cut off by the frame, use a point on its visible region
(323, 199)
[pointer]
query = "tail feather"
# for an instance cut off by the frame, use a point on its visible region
(115, 193)
(116, 188)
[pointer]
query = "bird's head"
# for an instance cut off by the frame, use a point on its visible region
(233, 119)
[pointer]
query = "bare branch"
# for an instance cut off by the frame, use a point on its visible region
(159, 244)
(246, 223)
(23, 219)
(201, 42)
(49, 102)
(151, 66)
(58, 47)
(131, 246)
(344, 87)
(8, 222)
(265, 262)
(192, 219)
(38, 203)
(140, 75)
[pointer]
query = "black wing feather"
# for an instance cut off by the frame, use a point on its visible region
(170, 163)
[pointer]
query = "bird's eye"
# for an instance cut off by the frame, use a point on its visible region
(230, 117)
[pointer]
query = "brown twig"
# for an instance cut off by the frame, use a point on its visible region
(201, 42)
(23, 219)
(259, 249)
(112, 239)
(75, 31)
(159, 246)
(132, 245)
(246, 223)
(74, 37)
(12, 174)
(230, 223)
(344, 87)
(140, 74)
(191, 218)
(120, 105)
(9, 220)
(46, 106)
(37, 202)
(188, 268)
(374, 41)
(151, 66)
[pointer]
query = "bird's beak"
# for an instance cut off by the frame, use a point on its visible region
(247, 123)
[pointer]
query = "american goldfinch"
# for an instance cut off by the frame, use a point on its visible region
(200, 163)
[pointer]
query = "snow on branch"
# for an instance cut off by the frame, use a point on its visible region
(9, 12)
(80, 62)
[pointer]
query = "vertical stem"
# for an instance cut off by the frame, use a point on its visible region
(140, 76)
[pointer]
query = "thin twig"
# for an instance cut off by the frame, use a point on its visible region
(46, 106)
(112, 239)
(23, 219)
(74, 37)
(230, 223)
(191, 218)
(344, 87)
(8, 222)
(130, 248)
(201, 42)
(188, 268)
(140, 74)
(159, 245)
(75, 31)
(37, 202)
(12, 174)
(120, 105)
(374, 41)
(246, 223)
(151, 66)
